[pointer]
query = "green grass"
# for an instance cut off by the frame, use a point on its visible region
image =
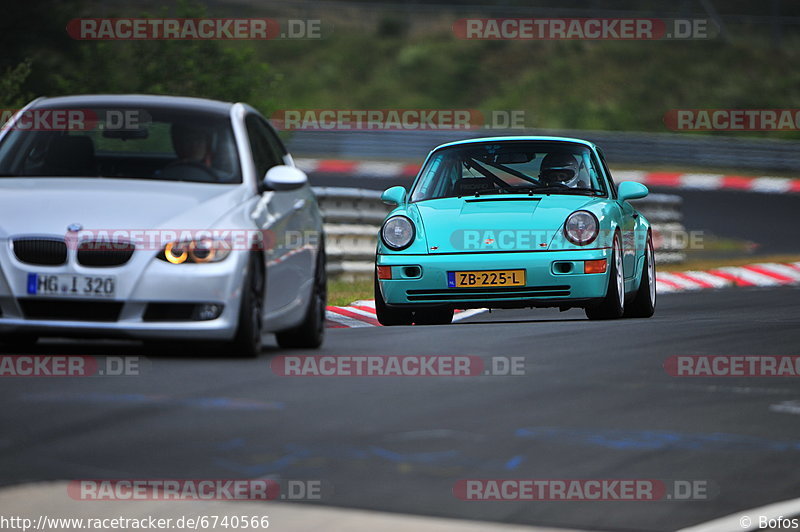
(342, 293)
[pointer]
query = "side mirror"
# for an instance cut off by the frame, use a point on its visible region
(394, 195)
(628, 190)
(283, 177)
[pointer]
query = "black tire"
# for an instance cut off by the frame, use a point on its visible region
(389, 316)
(613, 304)
(247, 342)
(311, 332)
(644, 304)
(435, 316)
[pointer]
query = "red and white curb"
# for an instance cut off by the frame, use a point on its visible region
(394, 170)
(362, 313)
(762, 274)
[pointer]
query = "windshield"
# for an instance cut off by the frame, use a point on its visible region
(509, 167)
(139, 143)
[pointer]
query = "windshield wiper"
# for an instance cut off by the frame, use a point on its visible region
(560, 190)
(477, 193)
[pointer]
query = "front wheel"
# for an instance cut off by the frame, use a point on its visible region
(311, 332)
(613, 305)
(247, 342)
(644, 304)
(389, 316)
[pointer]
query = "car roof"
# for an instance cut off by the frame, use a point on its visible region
(129, 100)
(513, 138)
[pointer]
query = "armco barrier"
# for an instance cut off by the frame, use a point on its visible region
(644, 149)
(353, 217)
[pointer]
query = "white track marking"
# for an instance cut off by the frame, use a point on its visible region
(772, 185)
(702, 181)
(464, 314)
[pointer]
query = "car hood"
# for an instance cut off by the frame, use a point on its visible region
(46, 206)
(492, 223)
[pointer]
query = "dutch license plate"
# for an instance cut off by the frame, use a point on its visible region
(478, 279)
(71, 285)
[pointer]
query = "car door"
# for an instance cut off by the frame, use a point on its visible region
(303, 223)
(272, 214)
(627, 225)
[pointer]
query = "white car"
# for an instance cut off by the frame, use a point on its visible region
(154, 217)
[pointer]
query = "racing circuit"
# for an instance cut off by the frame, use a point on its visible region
(594, 402)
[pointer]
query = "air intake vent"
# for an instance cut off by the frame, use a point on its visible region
(100, 254)
(63, 310)
(41, 251)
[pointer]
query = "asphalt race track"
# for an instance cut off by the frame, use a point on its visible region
(595, 402)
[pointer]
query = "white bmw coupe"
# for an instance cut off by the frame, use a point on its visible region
(156, 218)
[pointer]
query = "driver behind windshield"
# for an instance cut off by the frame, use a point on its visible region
(559, 169)
(192, 147)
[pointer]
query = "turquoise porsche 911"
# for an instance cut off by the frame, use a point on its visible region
(514, 222)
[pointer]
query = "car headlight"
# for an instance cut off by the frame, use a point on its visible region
(398, 232)
(581, 228)
(197, 251)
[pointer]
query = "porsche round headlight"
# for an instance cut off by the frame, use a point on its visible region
(581, 228)
(398, 232)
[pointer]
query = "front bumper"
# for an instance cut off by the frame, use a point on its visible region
(552, 279)
(143, 285)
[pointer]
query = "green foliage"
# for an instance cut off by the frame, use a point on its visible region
(612, 85)
(229, 71)
(12, 95)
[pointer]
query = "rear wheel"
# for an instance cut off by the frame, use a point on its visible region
(311, 332)
(644, 304)
(613, 305)
(389, 316)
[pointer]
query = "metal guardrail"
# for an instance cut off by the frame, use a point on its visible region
(352, 219)
(672, 149)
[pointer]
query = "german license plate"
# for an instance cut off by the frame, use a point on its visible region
(488, 278)
(71, 285)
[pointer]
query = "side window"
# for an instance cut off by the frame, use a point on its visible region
(277, 147)
(266, 148)
(608, 173)
(259, 147)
